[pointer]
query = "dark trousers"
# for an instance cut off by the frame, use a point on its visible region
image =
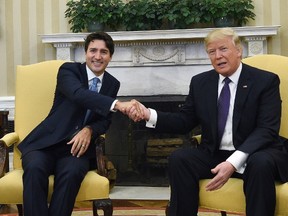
(69, 171)
(188, 165)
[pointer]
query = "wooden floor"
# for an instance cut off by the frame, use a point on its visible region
(6, 209)
(122, 197)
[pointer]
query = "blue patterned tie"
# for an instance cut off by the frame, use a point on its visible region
(92, 87)
(93, 84)
(223, 107)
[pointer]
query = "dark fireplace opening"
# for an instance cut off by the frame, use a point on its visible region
(140, 154)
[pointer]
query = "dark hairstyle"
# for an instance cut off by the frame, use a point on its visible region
(100, 36)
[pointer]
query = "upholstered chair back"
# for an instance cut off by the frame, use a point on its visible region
(279, 65)
(32, 82)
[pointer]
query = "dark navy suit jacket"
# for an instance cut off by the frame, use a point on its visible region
(256, 117)
(71, 101)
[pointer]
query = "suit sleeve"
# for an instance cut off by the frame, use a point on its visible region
(179, 122)
(71, 84)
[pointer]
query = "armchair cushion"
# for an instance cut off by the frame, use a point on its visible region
(11, 187)
(231, 197)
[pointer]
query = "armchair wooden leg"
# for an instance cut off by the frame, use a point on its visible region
(20, 209)
(223, 213)
(105, 205)
(167, 209)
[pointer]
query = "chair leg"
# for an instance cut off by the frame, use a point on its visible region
(167, 209)
(223, 213)
(20, 209)
(105, 205)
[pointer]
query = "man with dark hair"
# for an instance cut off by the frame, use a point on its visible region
(63, 144)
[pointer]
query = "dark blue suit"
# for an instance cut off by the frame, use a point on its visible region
(66, 117)
(256, 123)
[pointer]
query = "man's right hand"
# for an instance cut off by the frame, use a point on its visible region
(134, 109)
(223, 172)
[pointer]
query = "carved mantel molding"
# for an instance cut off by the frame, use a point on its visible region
(159, 47)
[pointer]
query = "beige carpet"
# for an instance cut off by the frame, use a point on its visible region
(137, 208)
(140, 212)
(127, 211)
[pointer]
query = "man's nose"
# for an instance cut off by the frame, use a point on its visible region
(218, 53)
(97, 55)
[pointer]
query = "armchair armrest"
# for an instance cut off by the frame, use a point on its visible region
(100, 145)
(3, 158)
(104, 166)
(10, 139)
(6, 141)
(196, 139)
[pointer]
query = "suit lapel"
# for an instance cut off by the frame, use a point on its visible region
(245, 84)
(105, 82)
(84, 75)
(212, 93)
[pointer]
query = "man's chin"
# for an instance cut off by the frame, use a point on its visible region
(223, 71)
(98, 71)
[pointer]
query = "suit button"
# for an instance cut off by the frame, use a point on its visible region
(76, 128)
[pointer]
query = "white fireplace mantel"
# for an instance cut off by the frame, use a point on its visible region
(155, 58)
(67, 44)
(175, 34)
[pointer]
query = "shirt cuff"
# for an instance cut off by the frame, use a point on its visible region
(151, 123)
(113, 106)
(238, 160)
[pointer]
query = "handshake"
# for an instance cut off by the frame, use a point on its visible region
(133, 109)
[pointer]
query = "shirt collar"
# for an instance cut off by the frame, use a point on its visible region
(234, 77)
(91, 75)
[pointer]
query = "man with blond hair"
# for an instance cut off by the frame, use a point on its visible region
(238, 108)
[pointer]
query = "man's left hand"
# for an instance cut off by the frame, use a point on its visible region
(80, 142)
(223, 172)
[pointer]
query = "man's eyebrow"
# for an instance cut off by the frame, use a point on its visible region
(102, 49)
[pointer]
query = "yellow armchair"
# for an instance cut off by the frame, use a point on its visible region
(35, 86)
(230, 198)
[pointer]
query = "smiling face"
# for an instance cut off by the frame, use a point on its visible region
(224, 55)
(97, 56)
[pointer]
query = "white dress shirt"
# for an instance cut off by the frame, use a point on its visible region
(90, 76)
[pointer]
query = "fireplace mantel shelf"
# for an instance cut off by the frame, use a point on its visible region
(159, 47)
(122, 36)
